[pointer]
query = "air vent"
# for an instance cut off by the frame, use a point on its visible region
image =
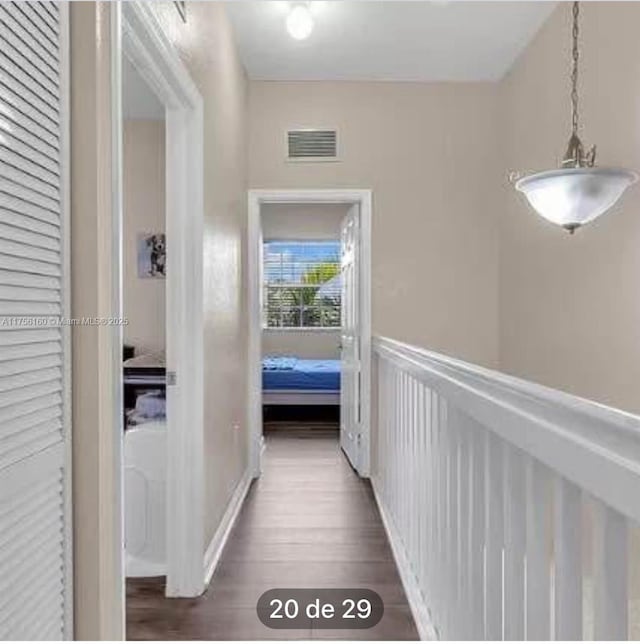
(312, 145)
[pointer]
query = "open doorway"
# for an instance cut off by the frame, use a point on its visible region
(144, 271)
(301, 313)
(309, 303)
(158, 137)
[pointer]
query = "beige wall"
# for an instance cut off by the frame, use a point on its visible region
(302, 221)
(97, 543)
(570, 306)
(208, 49)
(143, 190)
(435, 254)
(302, 344)
(206, 44)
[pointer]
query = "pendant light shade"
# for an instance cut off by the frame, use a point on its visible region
(578, 192)
(573, 197)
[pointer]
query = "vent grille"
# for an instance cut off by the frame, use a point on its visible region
(312, 144)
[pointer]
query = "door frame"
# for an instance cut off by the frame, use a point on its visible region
(139, 36)
(256, 199)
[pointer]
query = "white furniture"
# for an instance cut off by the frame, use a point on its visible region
(145, 483)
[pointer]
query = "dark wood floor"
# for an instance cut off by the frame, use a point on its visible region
(309, 522)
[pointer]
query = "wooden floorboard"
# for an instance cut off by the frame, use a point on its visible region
(309, 522)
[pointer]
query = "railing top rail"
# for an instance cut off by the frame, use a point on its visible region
(595, 446)
(461, 368)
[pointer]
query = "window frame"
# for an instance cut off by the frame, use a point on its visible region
(263, 290)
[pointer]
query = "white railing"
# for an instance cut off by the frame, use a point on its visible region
(483, 481)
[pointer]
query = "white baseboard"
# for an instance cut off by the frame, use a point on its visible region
(417, 604)
(214, 550)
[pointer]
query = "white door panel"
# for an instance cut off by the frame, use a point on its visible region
(35, 563)
(350, 394)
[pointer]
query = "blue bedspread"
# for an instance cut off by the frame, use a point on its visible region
(278, 363)
(316, 375)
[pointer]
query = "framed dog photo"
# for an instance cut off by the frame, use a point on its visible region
(152, 255)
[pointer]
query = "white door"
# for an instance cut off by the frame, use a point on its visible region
(350, 390)
(35, 529)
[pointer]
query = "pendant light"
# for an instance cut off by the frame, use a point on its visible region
(578, 192)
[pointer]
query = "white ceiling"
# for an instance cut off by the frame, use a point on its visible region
(420, 40)
(138, 100)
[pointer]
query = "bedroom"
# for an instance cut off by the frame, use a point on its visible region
(301, 315)
(145, 296)
(309, 327)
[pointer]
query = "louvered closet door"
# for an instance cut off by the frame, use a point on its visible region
(34, 444)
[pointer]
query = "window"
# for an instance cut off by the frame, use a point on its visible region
(302, 285)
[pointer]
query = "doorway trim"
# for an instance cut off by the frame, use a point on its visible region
(143, 41)
(256, 199)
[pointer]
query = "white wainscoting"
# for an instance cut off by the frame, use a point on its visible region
(482, 480)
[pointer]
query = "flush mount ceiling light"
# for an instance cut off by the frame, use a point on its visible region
(300, 21)
(577, 192)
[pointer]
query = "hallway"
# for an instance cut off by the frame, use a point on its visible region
(309, 522)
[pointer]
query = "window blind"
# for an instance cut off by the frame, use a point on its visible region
(35, 546)
(302, 284)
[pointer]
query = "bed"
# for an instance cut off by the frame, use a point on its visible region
(294, 381)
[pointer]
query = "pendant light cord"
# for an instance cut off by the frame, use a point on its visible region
(574, 71)
(575, 156)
